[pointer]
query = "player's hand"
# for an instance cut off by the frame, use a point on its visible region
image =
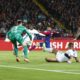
(69, 62)
(7, 40)
(78, 61)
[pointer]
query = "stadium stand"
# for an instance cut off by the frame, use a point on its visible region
(66, 11)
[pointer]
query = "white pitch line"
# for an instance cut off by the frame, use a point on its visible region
(38, 69)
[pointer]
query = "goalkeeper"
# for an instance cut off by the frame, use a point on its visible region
(15, 35)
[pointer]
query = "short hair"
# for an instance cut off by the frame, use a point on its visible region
(19, 21)
(70, 45)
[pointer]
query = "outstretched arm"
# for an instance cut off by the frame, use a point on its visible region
(76, 59)
(51, 60)
(30, 36)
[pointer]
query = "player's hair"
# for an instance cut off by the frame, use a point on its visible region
(19, 21)
(70, 45)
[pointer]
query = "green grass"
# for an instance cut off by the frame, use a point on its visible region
(37, 69)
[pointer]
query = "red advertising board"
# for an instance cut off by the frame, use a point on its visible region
(59, 44)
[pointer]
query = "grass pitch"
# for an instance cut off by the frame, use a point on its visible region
(37, 69)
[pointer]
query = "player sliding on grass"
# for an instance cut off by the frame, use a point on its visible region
(64, 57)
(15, 35)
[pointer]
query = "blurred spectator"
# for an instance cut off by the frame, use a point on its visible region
(66, 11)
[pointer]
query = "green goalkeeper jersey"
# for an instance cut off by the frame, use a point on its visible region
(16, 31)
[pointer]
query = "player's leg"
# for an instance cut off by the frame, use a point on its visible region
(54, 51)
(51, 59)
(15, 49)
(25, 48)
(28, 42)
(25, 51)
(50, 50)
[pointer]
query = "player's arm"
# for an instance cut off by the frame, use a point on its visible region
(46, 32)
(7, 38)
(69, 57)
(37, 32)
(41, 34)
(69, 60)
(30, 36)
(69, 54)
(76, 59)
(76, 56)
(7, 33)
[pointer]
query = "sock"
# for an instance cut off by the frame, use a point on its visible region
(16, 51)
(44, 46)
(25, 51)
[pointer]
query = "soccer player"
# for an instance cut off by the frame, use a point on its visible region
(64, 57)
(46, 45)
(33, 32)
(15, 35)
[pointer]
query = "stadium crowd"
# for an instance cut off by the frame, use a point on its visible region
(66, 11)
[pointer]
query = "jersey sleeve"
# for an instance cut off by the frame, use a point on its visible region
(30, 36)
(7, 34)
(75, 53)
(72, 53)
(69, 52)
